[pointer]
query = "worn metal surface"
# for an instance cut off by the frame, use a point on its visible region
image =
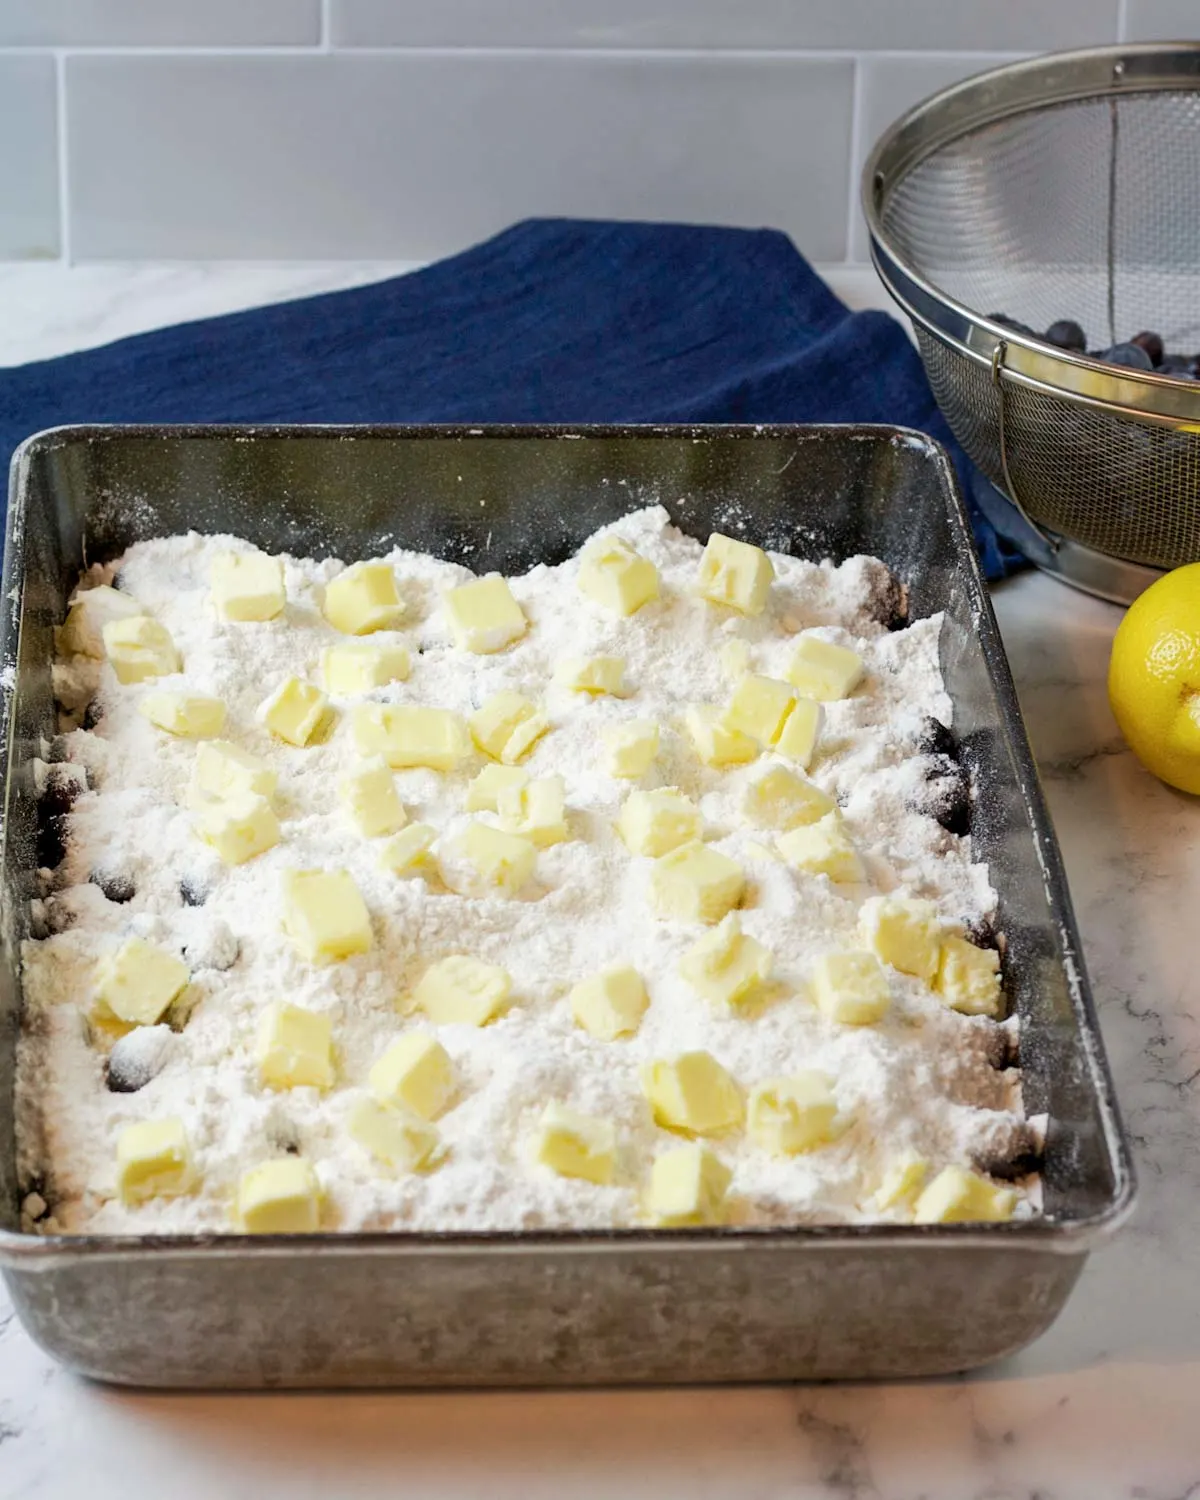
(638, 1305)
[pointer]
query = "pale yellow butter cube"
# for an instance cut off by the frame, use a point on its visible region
(631, 748)
(485, 861)
(956, 1196)
(693, 1094)
(610, 1004)
(82, 632)
(294, 1048)
(801, 733)
(153, 1161)
(968, 978)
(407, 852)
(364, 599)
(483, 791)
(727, 966)
(904, 933)
(247, 586)
(137, 982)
(461, 990)
(294, 711)
(138, 648)
(851, 987)
(406, 736)
(788, 1115)
(760, 707)
(696, 884)
(398, 1140)
(369, 795)
(781, 799)
(823, 848)
(222, 768)
(714, 741)
(188, 715)
(688, 1185)
(483, 615)
(416, 1073)
(535, 811)
(493, 725)
(280, 1197)
(523, 738)
(901, 1183)
(824, 671)
(324, 915)
(656, 822)
(613, 574)
(356, 667)
(238, 827)
(576, 1145)
(734, 658)
(593, 674)
(735, 573)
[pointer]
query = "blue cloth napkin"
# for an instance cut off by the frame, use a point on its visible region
(555, 320)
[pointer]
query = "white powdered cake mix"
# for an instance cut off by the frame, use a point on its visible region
(924, 1081)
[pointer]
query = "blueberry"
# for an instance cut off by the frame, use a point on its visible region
(1130, 356)
(92, 714)
(54, 804)
(1182, 365)
(1151, 344)
(137, 1057)
(117, 888)
(935, 739)
(1067, 334)
(191, 893)
(982, 932)
(889, 603)
(947, 795)
(1006, 322)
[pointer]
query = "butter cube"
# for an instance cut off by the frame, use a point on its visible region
(406, 736)
(221, 769)
(735, 573)
(407, 853)
(631, 748)
(294, 711)
(593, 674)
(824, 671)
(137, 982)
(968, 978)
(356, 667)
(463, 991)
(801, 733)
(851, 988)
(279, 1197)
(493, 725)
(696, 884)
(188, 715)
(610, 1004)
(901, 1183)
(823, 848)
(369, 795)
(399, 1141)
(153, 1161)
(956, 1196)
(247, 585)
(714, 741)
(656, 822)
(485, 861)
(906, 934)
(781, 799)
(483, 791)
(576, 1145)
(138, 647)
(82, 632)
(734, 658)
(727, 966)
(687, 1186)
(693, 1095)
(324, 915)
(788, 1115)
(238, 827)
(364, 599)
(416, 1073)
(760, 707)
(535, 811)
(613, 574)
(484, 617)
(294, 1048)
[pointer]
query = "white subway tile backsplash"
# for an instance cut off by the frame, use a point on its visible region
(158, 23)
(29, 228)
(412, 155)
(852, 25)
(1162, 20)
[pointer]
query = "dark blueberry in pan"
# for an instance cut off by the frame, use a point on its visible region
(935, 738)
(117, 888)
(191, 892)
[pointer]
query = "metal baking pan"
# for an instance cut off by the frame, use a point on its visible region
(563, 1308)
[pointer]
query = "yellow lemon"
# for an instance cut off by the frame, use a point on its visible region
(1154, 678)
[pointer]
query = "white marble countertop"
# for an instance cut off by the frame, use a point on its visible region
(1106, 1406)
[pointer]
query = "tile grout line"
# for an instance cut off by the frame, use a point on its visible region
(856, 126)
(60, 128)
(325, 40)
(1122, 20)
(690, 54)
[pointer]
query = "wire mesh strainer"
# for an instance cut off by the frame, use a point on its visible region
(1064, 187)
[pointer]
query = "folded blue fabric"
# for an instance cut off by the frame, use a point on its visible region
(555, 320)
